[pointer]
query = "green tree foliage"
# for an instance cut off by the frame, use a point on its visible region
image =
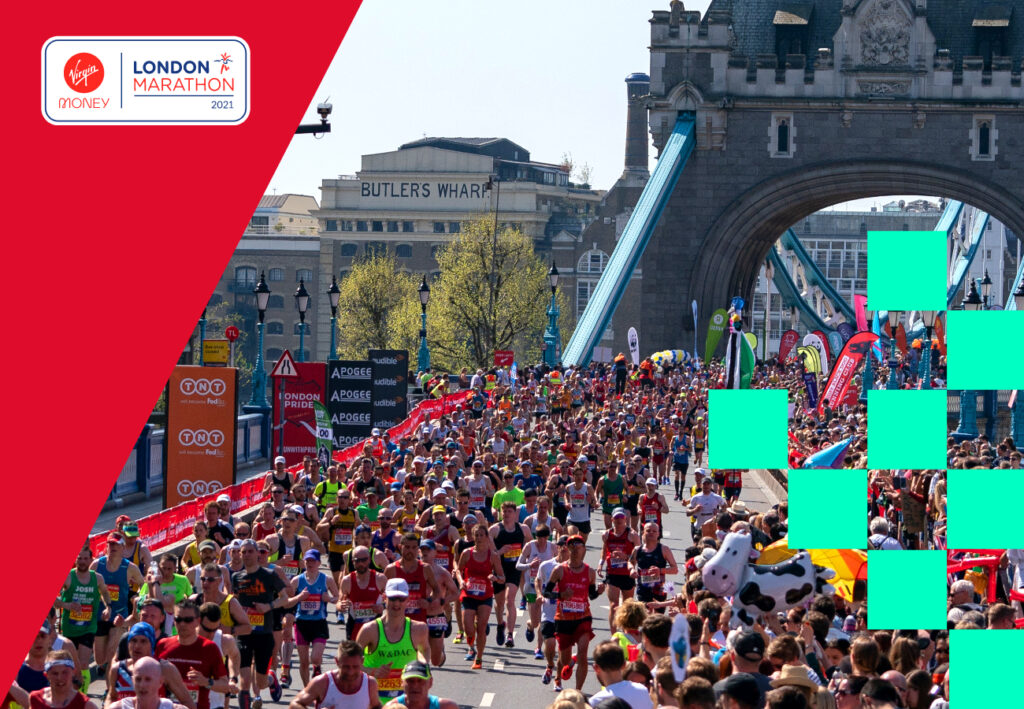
(378, 308)
(475, 310)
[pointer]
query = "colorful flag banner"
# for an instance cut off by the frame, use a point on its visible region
(789, 338)
(715, 329)
(846, 366)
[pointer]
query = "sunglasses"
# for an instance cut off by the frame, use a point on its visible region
(278, 492)
(182, 619)
(209, 579)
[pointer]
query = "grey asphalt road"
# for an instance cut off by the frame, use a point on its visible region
(511, 678)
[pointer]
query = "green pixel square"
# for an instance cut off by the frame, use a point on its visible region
(894, 286)
(965, 529)
(984, 664)
(747, 428)
(907, 589)
(983, 349)
(837, 525)
(907, 428)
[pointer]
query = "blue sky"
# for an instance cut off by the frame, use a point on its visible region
(547, 75)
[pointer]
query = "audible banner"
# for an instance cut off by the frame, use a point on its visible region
(200, 447)
(350, 400)
(297, 417)
(390, 387)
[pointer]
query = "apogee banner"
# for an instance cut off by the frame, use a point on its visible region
(200, 448)
(350, 400)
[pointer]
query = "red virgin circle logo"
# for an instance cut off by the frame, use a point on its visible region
(83, 73)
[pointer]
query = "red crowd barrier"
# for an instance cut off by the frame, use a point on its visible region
(173, 525)
(988, 561)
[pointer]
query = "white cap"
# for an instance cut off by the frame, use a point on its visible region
(448, 484)
(651, 481)
(279, 459)
(439, 491)
(419, 459)
(297, 509)
(396, 588)
(375, 432)
(224, 498)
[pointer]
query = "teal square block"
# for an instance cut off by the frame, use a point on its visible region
(839, 524)
(907, 428)
(907, 270)
(965, 529)
(984, 349)
(747, 428)
(985, 667)
(906, 589)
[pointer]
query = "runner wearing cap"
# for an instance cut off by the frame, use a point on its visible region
(618, 543)
(134, 550)
(650, 563)
(421, 584)
(478, 570)
(573, 584)
(416, 684)
(393, 640)
(652, 504)
(439, 610)
(347, 687)
(141, 642)
(444, 536)
(536, 551)
(279, 476)
(83, 594)
(315, 590)
(61, 694)
(509, 538)
(122, 579)
(704, 507)
(191, 557)
(546, 631)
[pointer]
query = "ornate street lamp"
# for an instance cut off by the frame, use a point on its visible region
(894, 322)
(423, 359)
(334, 294)
(552, 338)
(972, 299)
(928, 317)
(986, 288)
(259, 372)
(302, 300)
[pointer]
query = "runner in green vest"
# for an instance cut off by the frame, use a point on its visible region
(326, 491)
(609, 490)
(80, 600)
(385, 657)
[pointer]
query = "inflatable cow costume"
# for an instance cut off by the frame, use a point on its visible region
(757, 589)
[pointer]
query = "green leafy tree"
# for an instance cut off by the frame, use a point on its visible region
(378, 308)
(492, 294)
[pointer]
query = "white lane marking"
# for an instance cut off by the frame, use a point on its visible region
(488, 698)
(499, 665)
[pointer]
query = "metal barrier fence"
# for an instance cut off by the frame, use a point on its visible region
(144, 469)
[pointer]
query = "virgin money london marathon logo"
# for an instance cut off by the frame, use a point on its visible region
(83, 73)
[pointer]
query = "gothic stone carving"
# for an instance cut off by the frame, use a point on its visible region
(884, 88)
(885, 36)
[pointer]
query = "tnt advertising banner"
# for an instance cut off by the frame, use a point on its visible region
(297, 416)
(350, 400)
(200, 449)
(846, 366)
(390, 387)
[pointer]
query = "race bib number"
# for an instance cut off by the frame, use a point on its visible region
(578, 500)
(476, 501)
(513, 551)
(375, 525)
(82, 615)
(441, 561)
(650, 517)
(614, 563)
(438, 622)
(390, 684)
(650, 577)
(574, 606)
(255, 619)
(115, 591)
(291, 568)
(342, 536)
(363, 613)
(475, 587)
(311, 604)
(613, 499)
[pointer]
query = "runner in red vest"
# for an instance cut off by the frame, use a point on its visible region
(61, 693)
(652, 504)
(478, 570)
(420, 577)
(619, 542)
(361, 592)
(573, 585)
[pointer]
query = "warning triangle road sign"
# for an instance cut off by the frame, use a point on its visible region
(285, 367)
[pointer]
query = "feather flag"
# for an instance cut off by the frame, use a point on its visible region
(876, 328)
(747, 361)
(811, 357)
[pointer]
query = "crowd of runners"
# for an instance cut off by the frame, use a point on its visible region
(516, 510)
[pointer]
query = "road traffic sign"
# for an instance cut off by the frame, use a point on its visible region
(285, 367)
(231, 332)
